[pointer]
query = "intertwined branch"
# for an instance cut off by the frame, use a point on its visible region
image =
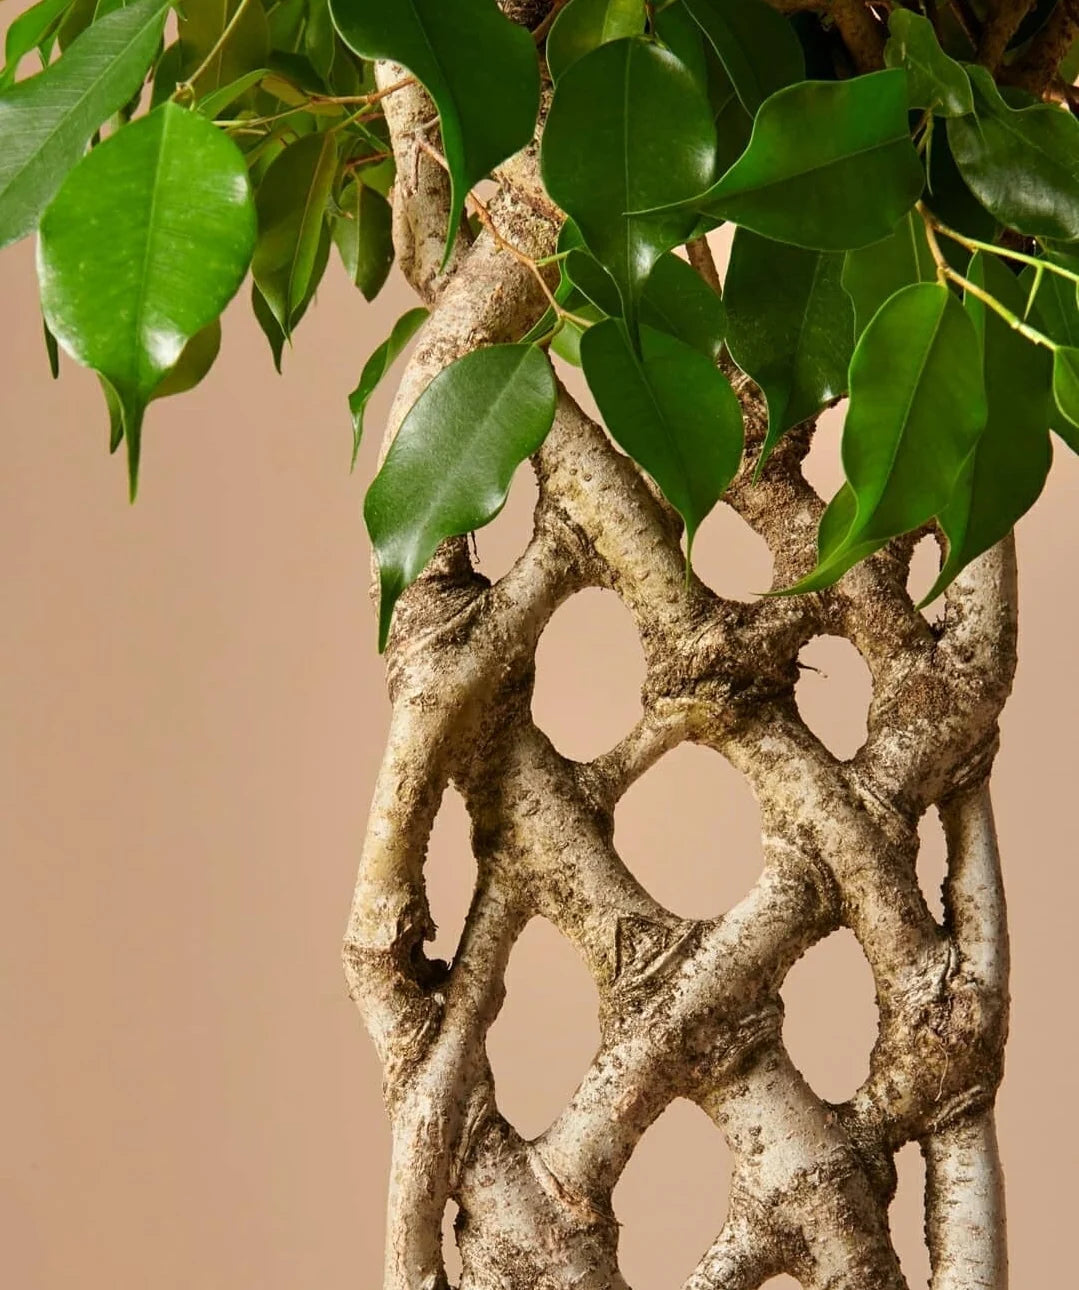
(687, 1008)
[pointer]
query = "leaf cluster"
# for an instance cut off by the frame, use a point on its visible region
(906, 236)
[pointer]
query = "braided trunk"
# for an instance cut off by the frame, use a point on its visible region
(687, 1008)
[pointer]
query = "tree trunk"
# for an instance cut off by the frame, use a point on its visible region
(687, 1008)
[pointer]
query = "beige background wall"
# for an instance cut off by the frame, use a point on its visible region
(192, 715)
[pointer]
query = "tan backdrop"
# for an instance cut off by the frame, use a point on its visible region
(192, 716)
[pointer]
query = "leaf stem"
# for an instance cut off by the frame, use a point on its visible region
(946, 274)
(527, 260)
(974, 244)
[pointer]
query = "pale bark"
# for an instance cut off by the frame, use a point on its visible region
(688, 1008)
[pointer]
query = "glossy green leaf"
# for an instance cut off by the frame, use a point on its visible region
(213, 104)
(376, 368)
(481, 70)
(196, 359)
(1006, 472)
(756, 45)
(790, 327)
(592, 279)
(144, 245)
(917, 407)
(448, 470)
(830, 165)
(80, 16)
(678, 301)
(264, 315)
(628, 128)
(671, 409)
(675, 30)
(584, 24)
(1021, 164)
(1066, 382)
(221, 40)
(364, 238)
(27, 32)
(873, 273)
(291, 202)
(934, 80)
(47, 121)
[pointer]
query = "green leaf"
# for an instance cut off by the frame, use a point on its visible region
(566, 342)
(678, 301)
(917, 407)
(830, 165)
(47, 121)
(52, 350)
(166, 75)
(196, 359)
(584, 24)
(1055, 312)
(1022, 165)
(364, 238)
(628, 128)
(319, 37)
(286, 22)
(1066, 383)
(28, 31)
(481, 70)
(756, 45)
(291, 203)
(449, 468)
(934, 80)
(949, 198)
(873, 273)
(790, 327)
(144, 245)
(592, 280)
(211, 62)
(734, 125)
(213, 104)
(671, 409)
(1005, 474)
(264, 315)
(376, 368)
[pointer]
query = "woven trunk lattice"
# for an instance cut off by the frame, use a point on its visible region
(687, 1008)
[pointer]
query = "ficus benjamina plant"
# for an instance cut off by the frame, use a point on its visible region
(902, 184)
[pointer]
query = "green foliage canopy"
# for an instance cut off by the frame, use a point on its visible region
(907, 234)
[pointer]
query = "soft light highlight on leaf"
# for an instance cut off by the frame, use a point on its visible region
(144, 245)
